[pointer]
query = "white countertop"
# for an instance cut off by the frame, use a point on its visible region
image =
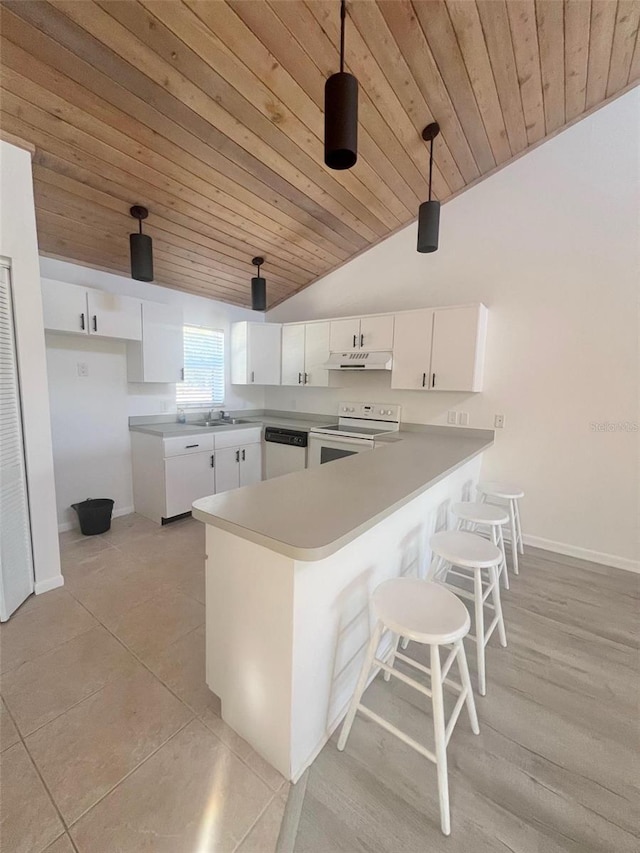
(311, 514)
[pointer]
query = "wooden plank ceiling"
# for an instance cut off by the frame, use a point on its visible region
(211, 114)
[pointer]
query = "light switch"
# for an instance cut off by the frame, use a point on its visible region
(451, 417)
(463, 418)
(83, 368)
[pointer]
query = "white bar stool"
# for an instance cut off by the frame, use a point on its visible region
(475, 554)
(511, 494)
(429, 614)
(485, 515)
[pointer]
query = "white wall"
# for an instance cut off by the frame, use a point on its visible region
(89, 415)
(18, 243)
(550, 245)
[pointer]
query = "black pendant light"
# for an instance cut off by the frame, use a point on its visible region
(141, 247)
(258, 288)
(341, 112)
(429, 212)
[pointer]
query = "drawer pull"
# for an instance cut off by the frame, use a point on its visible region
(189, 446)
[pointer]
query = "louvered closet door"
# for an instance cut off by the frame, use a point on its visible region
(16, 559)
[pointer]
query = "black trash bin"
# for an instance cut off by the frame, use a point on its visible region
(94, 515)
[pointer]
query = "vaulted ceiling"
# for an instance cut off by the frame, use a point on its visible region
(210, 113)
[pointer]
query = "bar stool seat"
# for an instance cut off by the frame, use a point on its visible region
(429, 614)
(472, 514)
(506, 491)
(511, 494)
(425, 612)
(467, 556)
(465, 549)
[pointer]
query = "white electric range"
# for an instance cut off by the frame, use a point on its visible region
(358, 427)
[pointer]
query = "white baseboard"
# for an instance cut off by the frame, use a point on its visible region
(72, 525)
(50, 583)
(583, 553)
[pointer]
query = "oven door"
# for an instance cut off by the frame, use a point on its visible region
(326, 448)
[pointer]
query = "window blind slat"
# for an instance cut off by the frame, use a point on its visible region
(203, 385)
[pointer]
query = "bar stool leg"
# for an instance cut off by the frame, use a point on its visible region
(465, 680)
(361, 685)
(520, 544)
(392, 657)
(514, 536)
(497, 603)
(441, 744)
(504, 557)
(479, 613)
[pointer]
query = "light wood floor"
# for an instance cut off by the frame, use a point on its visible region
(556, 766)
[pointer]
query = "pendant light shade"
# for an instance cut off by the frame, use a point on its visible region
(341, 113)
(258, 288)
(429, 212)
(141, 247)
(428, 226)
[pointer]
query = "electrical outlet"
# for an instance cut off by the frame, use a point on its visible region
(463, 418)
(451, 417)
(83, 368)
(498, 421)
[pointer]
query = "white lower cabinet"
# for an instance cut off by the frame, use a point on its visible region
(187, 478)
(227, 469)
(170, 473)
(238, 466)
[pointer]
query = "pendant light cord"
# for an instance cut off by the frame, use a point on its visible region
(343, 14)
(430, 168)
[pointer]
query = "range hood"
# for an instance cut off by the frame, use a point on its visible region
(359, 361)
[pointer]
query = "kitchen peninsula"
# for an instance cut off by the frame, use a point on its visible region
(291, 564)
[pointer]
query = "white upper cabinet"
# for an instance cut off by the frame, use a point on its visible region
(367, 333)
(83, 310)
(293, 354)
(114, 316)
(159, 357)
(376, 333)
(255, 353)
(412, 350)
(316, 354)
(344, 335)
(457, 359)
(64, 307)
(440, 349)
(305, 350)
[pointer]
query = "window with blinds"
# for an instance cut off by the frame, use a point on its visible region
(203, 385)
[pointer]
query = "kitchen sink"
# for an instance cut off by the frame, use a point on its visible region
(217, 423)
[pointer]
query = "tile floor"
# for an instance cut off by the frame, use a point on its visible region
(111, 741)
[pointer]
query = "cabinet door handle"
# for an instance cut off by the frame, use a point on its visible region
(361, 340)
(424, 379)
(433, 381)
(237, 455)
(213, 460)
(299, 379)
(253, 376)
(82, 321)
(354, 341)
(244, 455)
(95, 323)
(306, 379)
(182, 373)
(188, 446)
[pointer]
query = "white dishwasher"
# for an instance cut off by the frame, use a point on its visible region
(285, 451)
